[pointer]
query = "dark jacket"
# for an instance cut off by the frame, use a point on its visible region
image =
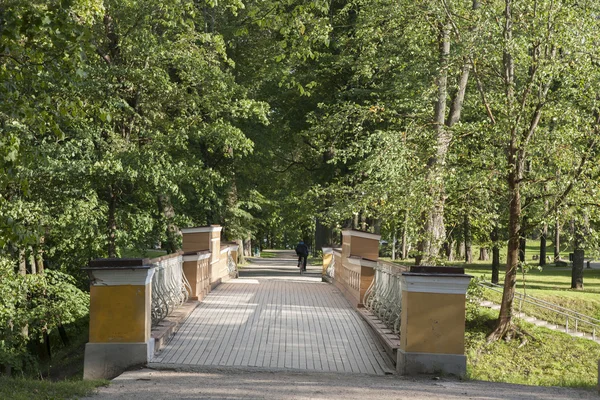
(302, 250)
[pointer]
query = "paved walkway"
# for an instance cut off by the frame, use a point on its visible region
(274, 318)
(221, 383)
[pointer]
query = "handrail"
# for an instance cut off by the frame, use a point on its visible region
(384, 296)
(579, 318)
(170, 287)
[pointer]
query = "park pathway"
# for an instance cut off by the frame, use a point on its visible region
(273, 318)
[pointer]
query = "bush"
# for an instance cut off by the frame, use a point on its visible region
(34, 305)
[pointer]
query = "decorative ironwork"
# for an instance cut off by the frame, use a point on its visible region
(170, 288)
(330, 270)
(384, 297)
(231, 265)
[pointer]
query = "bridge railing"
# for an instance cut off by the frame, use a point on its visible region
(130, 296)
(384, 296)
(170, 287)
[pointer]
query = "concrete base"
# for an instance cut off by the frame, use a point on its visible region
(109, 360)
(429, 363)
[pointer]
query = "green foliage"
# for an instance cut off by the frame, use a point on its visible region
(32, 305)
(474, 297)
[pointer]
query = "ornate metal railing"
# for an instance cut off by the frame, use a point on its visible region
(330, 270)
(170, 288)
(384, 297)
(231, 265)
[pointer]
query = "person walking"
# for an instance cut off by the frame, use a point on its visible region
(302, 253)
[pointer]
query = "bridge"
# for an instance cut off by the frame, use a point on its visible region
(271, 317)
(352, 314)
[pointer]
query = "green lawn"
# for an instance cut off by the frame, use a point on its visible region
(34, 389)
(147, 253)
(547, 358)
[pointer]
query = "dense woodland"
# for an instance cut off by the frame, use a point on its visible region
(440, 124)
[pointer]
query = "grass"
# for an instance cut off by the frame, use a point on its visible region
(34, 389)
(551, 283)
(63, 375)
(147, 253)
(548, 358)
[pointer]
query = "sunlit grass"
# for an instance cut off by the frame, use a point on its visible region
(548, 358)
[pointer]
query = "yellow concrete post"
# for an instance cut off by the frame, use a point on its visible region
(205, 238)
(327, 258)
(120, 320)
(433, 321)
(366, 246)
(193, 264)
(360, 244)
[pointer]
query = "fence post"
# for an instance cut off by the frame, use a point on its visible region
(195, 271)
(205, 238)
(120, 318)
(327, 257)
(360, 244)
(366, 246)
(432, 332)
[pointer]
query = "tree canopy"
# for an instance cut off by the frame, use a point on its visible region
(443, 123)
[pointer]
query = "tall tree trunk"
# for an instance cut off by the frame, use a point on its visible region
(377, 226)
(578, 256)
(515, 170)
(556, 240)
(468, 239)
(543, 248)
(39, 259)
(433, 231)
(544, 233)
(112, 223)
(22, 262)
(394, 245)
(494, 236)
(577, 271)
(172, 231)
(403, 247)
(241, 259)
(483, 254)
(449, 248)
(320, 234)
(512, 260)
(460, 249)
(247, 247)
(32, 264)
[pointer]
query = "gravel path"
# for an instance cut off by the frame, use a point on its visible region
(212, 383)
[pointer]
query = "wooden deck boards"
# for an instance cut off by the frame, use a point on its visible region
(271, 323)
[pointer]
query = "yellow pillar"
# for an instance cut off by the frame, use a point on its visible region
(360, 244)
(327, 258)
(120, 320)
(206, 238)
(432, 330)
(194, 269)
(366, 246)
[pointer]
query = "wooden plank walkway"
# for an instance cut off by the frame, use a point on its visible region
(285, 322)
